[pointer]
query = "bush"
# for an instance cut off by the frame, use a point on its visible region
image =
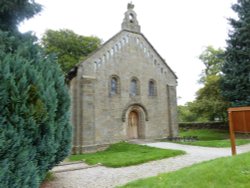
(204, 125)
(35, 133)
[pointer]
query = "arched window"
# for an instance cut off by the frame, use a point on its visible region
(112, 52)
(116, 47)
(131, 18)
(114, 85)
(151, 88)
(103, 58)
(155, 62)
(123, 40)
(108, 54)
(134, 87)
(137, 40)
(120, 45)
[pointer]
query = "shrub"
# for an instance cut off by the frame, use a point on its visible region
(35, 133)
(204, 125)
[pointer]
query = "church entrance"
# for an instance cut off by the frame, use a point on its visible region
(133, 124)
(135, 116)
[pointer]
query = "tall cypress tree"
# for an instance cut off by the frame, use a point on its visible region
(35, 133)
(236, 78)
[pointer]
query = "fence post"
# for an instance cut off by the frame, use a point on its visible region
(232, 134)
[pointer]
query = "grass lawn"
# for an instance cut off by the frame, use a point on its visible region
(125, 154)
(205, 134)
(212, 138)
(229, 172)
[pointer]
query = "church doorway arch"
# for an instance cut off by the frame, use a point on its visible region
(135, 122)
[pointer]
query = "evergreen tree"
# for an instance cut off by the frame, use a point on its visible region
(236, 78)
(35, 133)
(13, 12)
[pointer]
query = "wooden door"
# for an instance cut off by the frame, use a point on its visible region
(133, 121)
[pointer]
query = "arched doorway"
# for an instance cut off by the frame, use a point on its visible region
(133, 125)
(135, 116)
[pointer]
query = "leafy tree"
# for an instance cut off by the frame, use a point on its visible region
(209, 103)
(69, 47)
(186, 115)
(15, 11)
(213, 61)
(236, 78)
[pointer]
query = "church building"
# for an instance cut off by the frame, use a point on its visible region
(124, 90)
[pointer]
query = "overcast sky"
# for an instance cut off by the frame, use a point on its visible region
(178, 29)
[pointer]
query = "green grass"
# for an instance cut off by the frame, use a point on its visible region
(216, 143)
(229, 172)
(211, 138)
(125, 154)
(205, 134)
(49, 176)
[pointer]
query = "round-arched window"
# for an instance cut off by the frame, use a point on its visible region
(131, 18)
(151, 88)
(134, 87)
(114, 85)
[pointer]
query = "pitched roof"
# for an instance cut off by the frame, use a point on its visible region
(72, 73)
(130, 24)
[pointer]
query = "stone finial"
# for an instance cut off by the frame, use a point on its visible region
(130, 22)
(130, 5)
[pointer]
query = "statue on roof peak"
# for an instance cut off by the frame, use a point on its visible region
(130, 5)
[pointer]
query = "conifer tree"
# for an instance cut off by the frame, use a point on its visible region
(236, 78)
(13, 12)
(35, 133)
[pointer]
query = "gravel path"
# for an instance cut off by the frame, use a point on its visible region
(103, 177)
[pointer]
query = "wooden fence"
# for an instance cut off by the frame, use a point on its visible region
(239, 121)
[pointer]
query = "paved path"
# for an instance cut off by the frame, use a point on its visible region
(103, 177)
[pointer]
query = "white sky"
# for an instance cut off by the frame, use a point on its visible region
(178, 29)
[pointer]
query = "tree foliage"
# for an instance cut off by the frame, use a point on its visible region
(236, 78)
(209, 104)
(15, 11)
(186, 115)
(69, 47)
(35, 133)
(213, 60)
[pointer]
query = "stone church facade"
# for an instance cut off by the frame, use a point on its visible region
(124, 90)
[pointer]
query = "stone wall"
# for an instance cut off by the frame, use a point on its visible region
(205, 125)
(103, 116)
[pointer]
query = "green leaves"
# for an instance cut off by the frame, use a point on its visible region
(213, 61)
(69, 47)
(209, 104)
